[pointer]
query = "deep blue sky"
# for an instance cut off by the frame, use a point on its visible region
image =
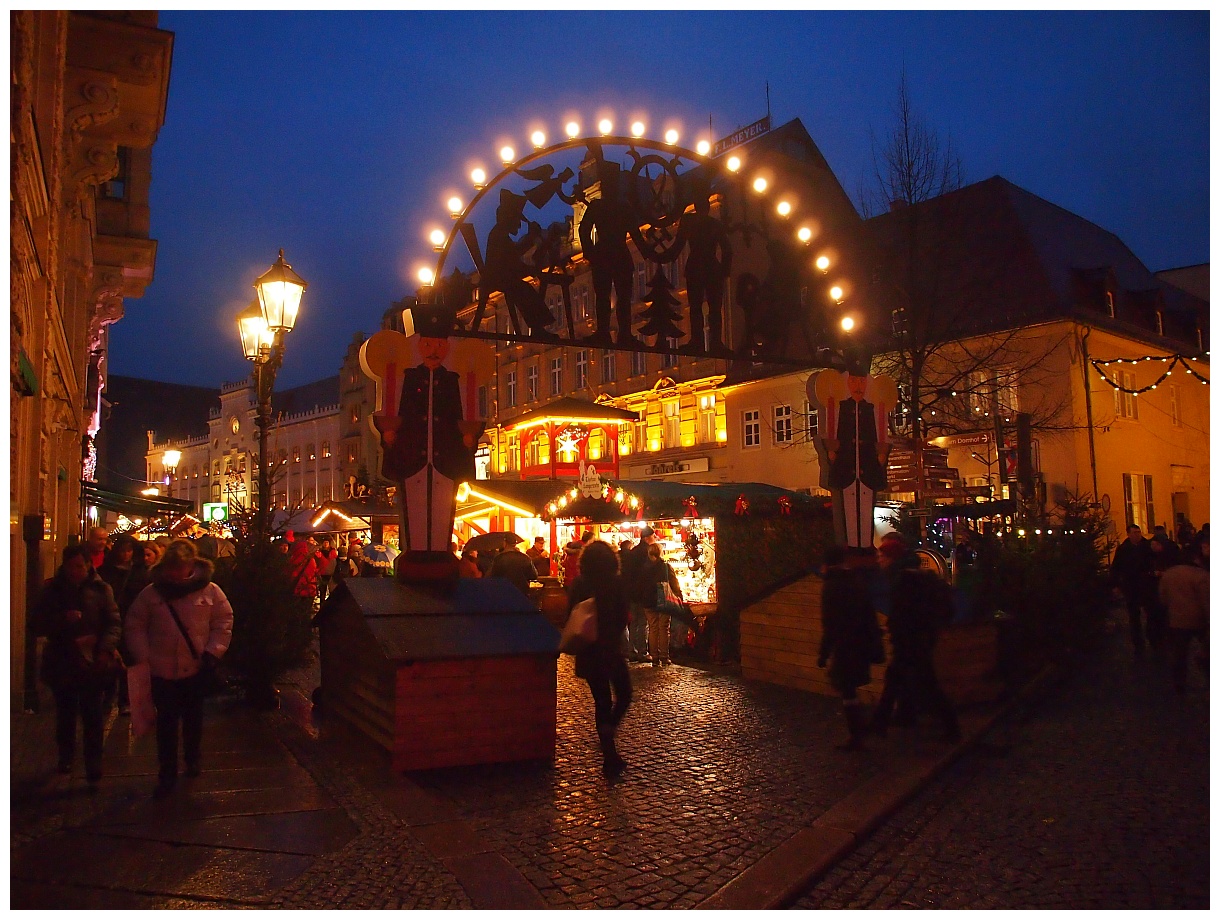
(338, 136)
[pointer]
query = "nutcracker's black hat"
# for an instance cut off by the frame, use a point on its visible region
(433, 321)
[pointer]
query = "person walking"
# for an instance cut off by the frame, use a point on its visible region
(303, 564)
(180, 625)
(468, 564)
(1184, 591)
(851, 638)
(327, 559)
(98, 542)
(641, 594)
(602, 664)
(658, 572)
(514, 566)
(918, 602)
(1132, 575)
(77, 614)
(151, 551)
(125, 572)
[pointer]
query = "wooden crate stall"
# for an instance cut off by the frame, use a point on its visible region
(441, 677)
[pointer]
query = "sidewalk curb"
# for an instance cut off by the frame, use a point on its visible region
(782, 875)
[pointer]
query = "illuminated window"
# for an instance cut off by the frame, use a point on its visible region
(355, 413)
(514, 453)
(325, 449)
(751, 428)
(596, 447)
(608, 367)
(296, 455)
(310, 453)
(707, 417)
(484, 402)
(510, 389)
(673, 423)
(1175, 410)
(582, 369)
(625, 440)
(1125, 405)
(812, 419)
(1137, 493)
(556, 375)
(782, 418)
(531, 383)
(532, 452)
(351, 453)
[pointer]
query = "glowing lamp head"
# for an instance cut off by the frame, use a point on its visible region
(455, 206)
(279, 295)
(605, 126)
(703, 148)
(437, 237)
(572, 129)
(823, 263)
(507, 154)
(783, 209)
(836, 293)
(538, 139)
(637, 129)
(671, 136)
(804, 234)
(760, 185)
(847, 324)
(171, 458)
(478, 177)
(733, 164)
(425, 276)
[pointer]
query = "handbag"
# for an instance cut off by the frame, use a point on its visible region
(667, 600)
(580, 632)
(211, 683)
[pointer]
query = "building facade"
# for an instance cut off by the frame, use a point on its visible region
(88, 97)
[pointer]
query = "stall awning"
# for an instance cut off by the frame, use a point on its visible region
(571, 409)
(349, 514)
(656, 500)
(144, 506)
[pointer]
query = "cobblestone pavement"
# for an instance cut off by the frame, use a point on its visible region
(1093, 796)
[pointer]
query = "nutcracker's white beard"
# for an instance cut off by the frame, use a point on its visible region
(429, 520)
(853, 511)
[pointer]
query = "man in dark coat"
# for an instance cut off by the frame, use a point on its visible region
(851, 638)
(1132, 574)
(641, 593)
(427, 450)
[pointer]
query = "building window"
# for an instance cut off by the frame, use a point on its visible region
(325, 449)
(355, 413)
(216, 468)
(582, 369)
(580, 303)
(608, 367)
(639, 364)
(668, 360)
(484, 402)
(296, 455)
(673, 423)
(1175, 406)
(116, 188)
(531, 383)
(782, 416)
(707, 418)
(514, 453)
(595, 447)
(641, 280)
(351, 453)
(812, 419)
(310, 453)
(556, 375)
(1125, 405)
(641, 436)
(531, 451)
(510, 389)
(1137, 493)
(751, 428)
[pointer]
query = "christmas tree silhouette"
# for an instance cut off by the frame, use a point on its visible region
(661, 312)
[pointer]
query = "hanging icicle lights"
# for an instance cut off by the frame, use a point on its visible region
(735, 164)
(1171, 361)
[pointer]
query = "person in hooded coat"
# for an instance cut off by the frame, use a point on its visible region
(124, 570)
(180, 624)
(77, 614)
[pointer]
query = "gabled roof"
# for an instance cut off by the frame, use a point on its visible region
(1004, 256)
(569, 409)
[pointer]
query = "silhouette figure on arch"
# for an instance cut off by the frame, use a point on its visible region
(607, 223)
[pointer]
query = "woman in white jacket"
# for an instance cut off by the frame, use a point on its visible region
(180, 625)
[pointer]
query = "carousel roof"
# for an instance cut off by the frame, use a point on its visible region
(571, 409)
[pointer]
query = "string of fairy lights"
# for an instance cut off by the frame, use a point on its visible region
(1169, 361)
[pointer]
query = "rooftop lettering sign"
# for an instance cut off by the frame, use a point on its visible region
(741, 135)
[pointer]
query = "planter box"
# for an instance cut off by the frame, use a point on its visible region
(441, 677)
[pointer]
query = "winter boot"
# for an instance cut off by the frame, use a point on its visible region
(854, 715)
(612, 764)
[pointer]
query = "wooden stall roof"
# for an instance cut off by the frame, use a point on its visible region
(482, 617)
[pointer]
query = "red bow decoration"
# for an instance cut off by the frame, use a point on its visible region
(743, 506)
(785, 504)
(691, 510)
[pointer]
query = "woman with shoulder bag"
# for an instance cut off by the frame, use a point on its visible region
(181, 626)
(659, 572)
(602, 664)
(80, 619)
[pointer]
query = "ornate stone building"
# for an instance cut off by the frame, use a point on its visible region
(88, 96)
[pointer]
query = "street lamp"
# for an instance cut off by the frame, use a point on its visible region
(170, 460)
(262, 326)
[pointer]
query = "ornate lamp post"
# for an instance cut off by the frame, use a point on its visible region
(170, 460)
(262, 327)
